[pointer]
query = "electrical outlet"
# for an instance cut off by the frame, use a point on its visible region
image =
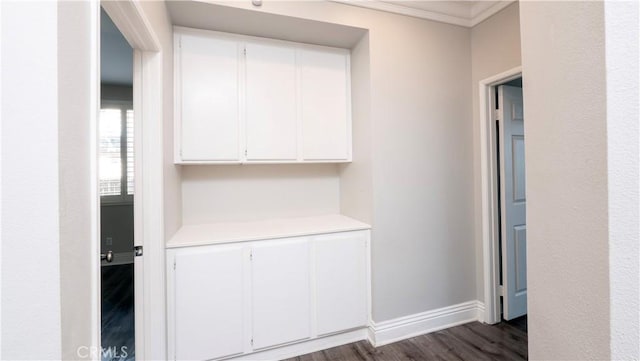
(109, 241)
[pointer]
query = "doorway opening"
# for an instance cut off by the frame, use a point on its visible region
(148, 240)
(510, 191)
(503, 197)
(117, 187)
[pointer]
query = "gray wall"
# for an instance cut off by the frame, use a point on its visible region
(495, 48)
(412, 105)
(116, 221)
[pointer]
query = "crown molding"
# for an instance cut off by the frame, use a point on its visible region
(482, 10)
(446, 12)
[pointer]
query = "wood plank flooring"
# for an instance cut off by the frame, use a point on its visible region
(472, 341)
(118, 328)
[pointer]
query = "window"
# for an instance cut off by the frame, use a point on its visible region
(116, 165)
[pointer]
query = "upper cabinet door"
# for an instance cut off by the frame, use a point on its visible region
(325, 107)
(270, 102)
(208, 70)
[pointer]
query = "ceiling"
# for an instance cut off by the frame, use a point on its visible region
(231, 19)
(116, 55)
(459, 12)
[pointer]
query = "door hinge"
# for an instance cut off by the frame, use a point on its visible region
(174, 264)
(137, 251)
(496, 114)
(500, 291)
(252, 342)
(245, 51)
(251, 255)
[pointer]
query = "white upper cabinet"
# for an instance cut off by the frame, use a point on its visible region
(324, 87)
(243, 99)
(270, 104)
(208, 106)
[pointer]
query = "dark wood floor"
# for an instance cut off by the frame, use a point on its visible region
(473, 341)
(118, 328)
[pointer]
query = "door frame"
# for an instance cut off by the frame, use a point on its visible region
(489, 196)
(130, 19)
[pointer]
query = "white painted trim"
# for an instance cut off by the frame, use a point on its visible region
(96, 302)
(491, 311)
(482, 10)
(480, 309)
(402, 328)
(0, 182)
(138, 204)
(442, 16)
(153, 207)
(129, 18)
(442, 11)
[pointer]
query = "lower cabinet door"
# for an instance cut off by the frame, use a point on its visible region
(341, 281)
(208, 303)
(280, 292)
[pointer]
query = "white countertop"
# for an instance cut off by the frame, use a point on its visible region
(226, 232)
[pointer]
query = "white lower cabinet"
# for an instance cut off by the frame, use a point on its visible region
(208, 296)
(280, 292)
(235, 299)
(341, 281)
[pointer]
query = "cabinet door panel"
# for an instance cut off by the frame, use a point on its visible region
(281, 292)
(209, 100)
(271, 102)
(324, 95)
(341, 281)
(209, 304)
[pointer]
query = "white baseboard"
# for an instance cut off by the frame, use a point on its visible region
(480, 306)
(381, 333)
(385, 332)
(305, 347)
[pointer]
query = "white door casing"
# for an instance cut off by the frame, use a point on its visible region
(513, 202)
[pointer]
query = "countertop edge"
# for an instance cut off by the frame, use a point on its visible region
(175, 241)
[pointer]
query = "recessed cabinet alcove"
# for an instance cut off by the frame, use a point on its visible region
(264, 264)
